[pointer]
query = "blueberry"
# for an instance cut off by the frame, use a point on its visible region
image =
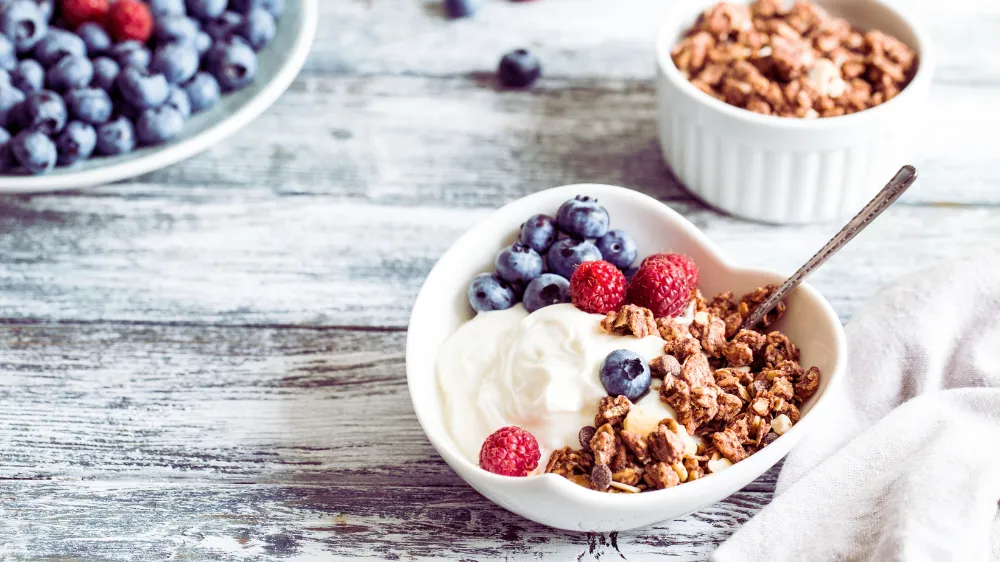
(224, 26)
(130, 53)
(116, 137)
(43, 111)
(94, 38)
(70, 72)
(5, 77)
(179, 100)
(459, 8)
(202, 43)
(625, 373)
(10, 99)
(8, 56)
(6, 158)
(176, 28)
(539, 232)
(90, 105)
(258, 28)
(166, 8)
(203, 92)
(206, 9)
(630, 273)
(142, 89)
(618, 248)
(518, 263)
(105, 72)
(583, 217)
(546, 289)
(518, 69)
(158, 125)
(23, 22)
(177, 61)
(276, 7)
(47, 7)
(233, 63)
(488, 292)
(34, 150)
(57, 44)
(566, 254)
(76, 142)
(29, 76)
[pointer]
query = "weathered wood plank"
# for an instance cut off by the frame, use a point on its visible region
(579, 38)
(197, 521)
(239, 256)
(157, 442)
(459, 142)
(271, 405)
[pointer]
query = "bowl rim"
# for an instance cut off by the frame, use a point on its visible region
(666, 39)
(746, 470)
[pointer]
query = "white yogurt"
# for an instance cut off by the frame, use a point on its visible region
(538, 372)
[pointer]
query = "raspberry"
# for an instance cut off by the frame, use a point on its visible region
(509, 451)
(130, 19)
(664, 284)
(79, 12)
(597, 286)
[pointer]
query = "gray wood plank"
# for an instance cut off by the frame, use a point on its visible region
(149, 442)
(241, 256)
(186, 520)
(580, 38)
(459, 142)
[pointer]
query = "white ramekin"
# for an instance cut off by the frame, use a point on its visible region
(781, 169)
(442, 306)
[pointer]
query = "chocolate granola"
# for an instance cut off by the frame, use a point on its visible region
(738, 390)
(795, 62)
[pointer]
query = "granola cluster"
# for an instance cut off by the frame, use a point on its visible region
(795, 62)
(736, 389)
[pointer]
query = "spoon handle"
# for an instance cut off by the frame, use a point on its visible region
(892, 190)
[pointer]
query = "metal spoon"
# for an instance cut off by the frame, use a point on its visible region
(892, 190)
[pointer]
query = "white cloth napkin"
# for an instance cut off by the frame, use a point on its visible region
(906, 464)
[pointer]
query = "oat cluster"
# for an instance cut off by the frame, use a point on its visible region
(737, 389)
(799, 62)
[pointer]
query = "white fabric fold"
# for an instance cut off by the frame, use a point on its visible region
(906, 464)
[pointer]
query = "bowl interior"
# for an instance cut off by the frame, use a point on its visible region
(442, 306)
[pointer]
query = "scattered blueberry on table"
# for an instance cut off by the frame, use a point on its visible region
(519, 69)
(90, 78)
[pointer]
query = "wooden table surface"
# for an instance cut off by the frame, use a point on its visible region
(207, 362)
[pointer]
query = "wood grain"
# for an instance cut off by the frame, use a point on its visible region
(233, 442)
(206, 362)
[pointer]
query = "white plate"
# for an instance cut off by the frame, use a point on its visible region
(278, 64)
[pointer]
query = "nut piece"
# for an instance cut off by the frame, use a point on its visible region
(718, 465)
(637, 445)
(661, 475)
(630, 319)
(729, 445)
(781, 424)
(665, 365)
(665, 445)
(566, 462)
(604, 445)
(612, 410)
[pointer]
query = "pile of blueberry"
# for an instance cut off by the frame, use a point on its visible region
(537, 268)
(101, 77)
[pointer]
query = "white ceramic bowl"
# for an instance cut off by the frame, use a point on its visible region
(277, 66)
(780, 169)
(552, 500)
